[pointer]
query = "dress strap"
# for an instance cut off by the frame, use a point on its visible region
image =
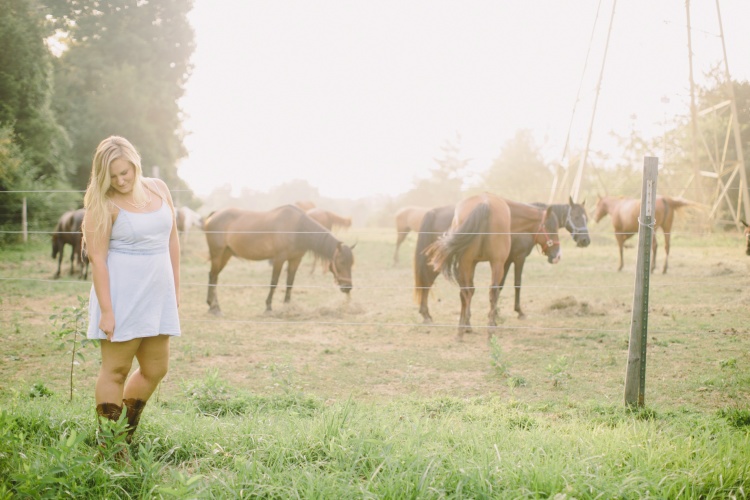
(155, 189)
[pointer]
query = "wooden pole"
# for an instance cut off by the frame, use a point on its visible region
(635, 377)
(576, 189)
(693, 114)
(24, 222)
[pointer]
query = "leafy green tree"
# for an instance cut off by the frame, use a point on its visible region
(519, 173)
(445, 183)
(26, 89)
(34, 149)
(123, 72)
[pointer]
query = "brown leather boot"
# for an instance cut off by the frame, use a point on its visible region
(108, 411)
(134, 409)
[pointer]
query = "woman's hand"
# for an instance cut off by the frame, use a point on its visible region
(107, 324)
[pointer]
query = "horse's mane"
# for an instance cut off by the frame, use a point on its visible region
(319, 239)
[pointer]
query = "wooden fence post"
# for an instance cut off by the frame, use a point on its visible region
(635, 378)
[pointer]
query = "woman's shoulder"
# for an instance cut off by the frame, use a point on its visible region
(155, 182)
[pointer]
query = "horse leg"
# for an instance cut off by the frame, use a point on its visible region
(424, 296)
(466, 285)
(654, 246)
(275, 273)
(498, 275)
(517, 272)
(621, 243)
(464, 321)
(666, 250)
(217, 264)
(401, 236)
(291, 272)
(59, 262)
(72, 259)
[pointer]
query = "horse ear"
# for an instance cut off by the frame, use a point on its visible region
(355, 244)
(743, 222)
(570, 200)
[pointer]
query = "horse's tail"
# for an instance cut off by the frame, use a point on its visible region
(679, 202)
(444, 254)
(339, 221)
(424, 275)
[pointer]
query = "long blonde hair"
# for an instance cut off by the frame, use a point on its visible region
(96, 201)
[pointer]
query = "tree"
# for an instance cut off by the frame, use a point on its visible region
(444, 186)
(123, 73)
(34, 149)
(26, 91)
(519, 173)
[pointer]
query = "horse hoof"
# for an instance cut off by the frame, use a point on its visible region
(216, 311)
(521, 315)
(426, 321)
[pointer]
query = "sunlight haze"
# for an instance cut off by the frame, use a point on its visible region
(358, 97)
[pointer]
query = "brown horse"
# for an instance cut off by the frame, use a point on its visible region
(281, 235)
(480, 232)
(747, 237)
(407, 219)
(328, 220)
(68, 232)
(531, 225)
(625, 213)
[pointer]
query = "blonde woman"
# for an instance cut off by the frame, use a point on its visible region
(131, 239)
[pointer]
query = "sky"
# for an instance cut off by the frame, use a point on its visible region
(357, 97)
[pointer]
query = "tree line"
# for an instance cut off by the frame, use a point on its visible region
(75, 71)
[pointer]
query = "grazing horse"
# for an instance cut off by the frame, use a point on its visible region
(407, 219)
(328, 220)
(439, 219)
(281, 235)
(625, 213)
(747, 237)
(186, 219)
(68, 232)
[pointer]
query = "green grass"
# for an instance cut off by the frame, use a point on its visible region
(218, 441)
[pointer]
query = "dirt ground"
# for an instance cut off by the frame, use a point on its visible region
(573, 345)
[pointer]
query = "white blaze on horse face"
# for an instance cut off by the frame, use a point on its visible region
(122, 175)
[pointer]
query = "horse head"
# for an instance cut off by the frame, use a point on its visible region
(601, 209)
(576, 221)
(548, 238)
(341, 266)
(747, 237)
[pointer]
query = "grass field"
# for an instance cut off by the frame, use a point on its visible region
(560, 369)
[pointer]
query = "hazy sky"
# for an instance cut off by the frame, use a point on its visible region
(357, 97)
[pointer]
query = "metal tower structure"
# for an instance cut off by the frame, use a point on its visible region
(723, 169)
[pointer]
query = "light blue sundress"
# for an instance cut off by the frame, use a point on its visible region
(141, 280)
